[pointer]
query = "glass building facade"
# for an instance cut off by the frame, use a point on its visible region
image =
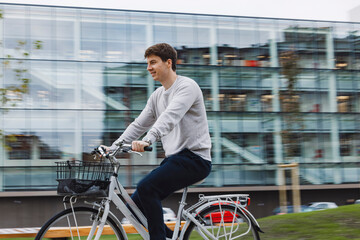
(88, 80)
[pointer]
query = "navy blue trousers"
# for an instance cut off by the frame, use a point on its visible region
(174, 173)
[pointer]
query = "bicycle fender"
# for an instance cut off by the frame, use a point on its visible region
(119, 225)
(211, 203)
(248, 214)
(252, 219)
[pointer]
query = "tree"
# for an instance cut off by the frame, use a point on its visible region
(10, 95)
(292, 124)
(290, 104)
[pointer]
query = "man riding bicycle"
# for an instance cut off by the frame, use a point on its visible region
(175, 115)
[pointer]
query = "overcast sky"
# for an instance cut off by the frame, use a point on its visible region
(333, 10)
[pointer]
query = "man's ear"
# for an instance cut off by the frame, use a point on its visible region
(169, 63)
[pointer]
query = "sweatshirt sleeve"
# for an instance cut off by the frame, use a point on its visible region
(184, 97)
(139, 126)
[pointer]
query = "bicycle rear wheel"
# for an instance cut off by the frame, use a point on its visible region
(223, 222)
(63, 225)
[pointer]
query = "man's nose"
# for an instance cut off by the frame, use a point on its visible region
(149, 67)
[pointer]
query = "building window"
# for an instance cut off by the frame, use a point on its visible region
(19, 146)
(266, 101)
(47, 152)
(344, 103)
(345, 145)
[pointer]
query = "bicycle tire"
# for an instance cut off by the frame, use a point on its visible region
(84, 216)
(218, 220)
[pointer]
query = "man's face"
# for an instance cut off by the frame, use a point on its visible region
(158, 69)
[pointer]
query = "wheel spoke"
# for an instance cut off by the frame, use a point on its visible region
(78, 224)
(223, 222)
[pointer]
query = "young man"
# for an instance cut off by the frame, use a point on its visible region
(175, 115)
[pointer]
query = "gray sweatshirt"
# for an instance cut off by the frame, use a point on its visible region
(175, 116)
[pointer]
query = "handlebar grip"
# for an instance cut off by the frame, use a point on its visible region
(148, 149)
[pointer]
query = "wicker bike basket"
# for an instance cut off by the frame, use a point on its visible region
(83, 178)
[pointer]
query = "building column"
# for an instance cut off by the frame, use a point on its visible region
(78, 90)
(77, 35)
(78, 117)
(150, 84)
(2, 153)
(2, 139)
(275, 77)
(334, 134)
(216, 140)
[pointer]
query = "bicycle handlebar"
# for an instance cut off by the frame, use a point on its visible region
(148, 149)
(127, 148)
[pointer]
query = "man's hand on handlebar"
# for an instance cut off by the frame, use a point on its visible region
(106, 148)
(139, 146)
(135, 147)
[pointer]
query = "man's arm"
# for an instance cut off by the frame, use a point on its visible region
(139, 126)
(182, 101)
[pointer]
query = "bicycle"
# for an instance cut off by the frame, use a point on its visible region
(212, 217)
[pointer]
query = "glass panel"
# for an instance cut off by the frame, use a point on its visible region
(266, 35)
(91, 35)
(93, 120)
(202, 35)
(92, 138)
(356, 79)
(266, 76)
(49, 146)
(201, 74)
(116, 34)
(184, 30)
(43, 91)
(248, 43)
(348, 147)
(268, 146)
(247, 33)
(312, 101)
(16, 31)
(342, 45)
(41, 31)
(227, 39)
(67, 86)
(344, 80)
(355, 42)
(14, 120)
(347, 123)
(307, 80)
(137, 36)
(92, 90)
(16, 81)
(306, 39)
(66, 34)
(117, 81)
(163, 29)
(232, 100)
(20, 146)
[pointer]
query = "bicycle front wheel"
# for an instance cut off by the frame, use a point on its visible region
(69, 225)
(222, 222)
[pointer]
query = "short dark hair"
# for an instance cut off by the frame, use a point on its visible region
(164, 51)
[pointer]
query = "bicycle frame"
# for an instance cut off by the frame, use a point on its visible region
(141, 226)
(139, 221)
(121, 205)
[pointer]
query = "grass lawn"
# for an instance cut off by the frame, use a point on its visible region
(341, 223)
